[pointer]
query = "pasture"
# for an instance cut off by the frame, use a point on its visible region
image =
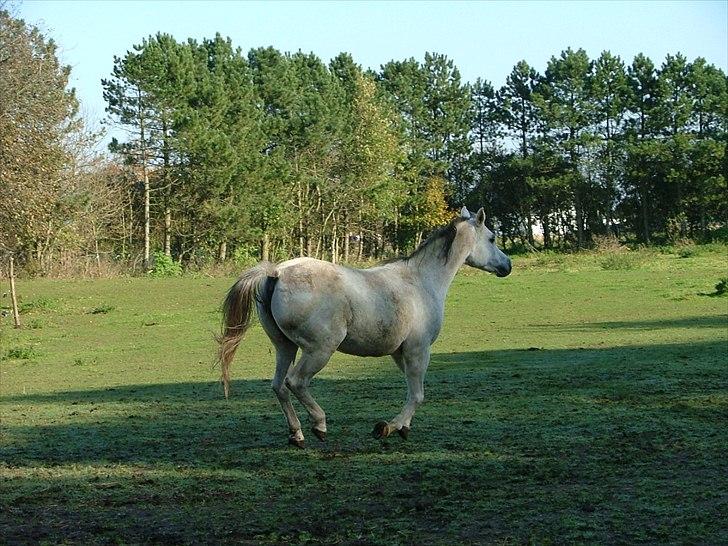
(567, 403)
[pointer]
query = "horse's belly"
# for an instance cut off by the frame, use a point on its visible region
(372, 341)
(358, 348)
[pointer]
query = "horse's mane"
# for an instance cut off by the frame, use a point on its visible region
(446, 234)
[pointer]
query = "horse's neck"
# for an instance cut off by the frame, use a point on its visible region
(436, 274)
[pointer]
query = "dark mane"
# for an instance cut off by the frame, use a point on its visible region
(446, 234)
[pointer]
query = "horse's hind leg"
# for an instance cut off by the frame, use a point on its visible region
(285, 354)
(298, 380)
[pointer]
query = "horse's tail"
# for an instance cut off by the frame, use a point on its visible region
(236, 314)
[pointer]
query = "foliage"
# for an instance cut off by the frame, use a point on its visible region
(245, 256)
(20, 353)
(164, 266)
(39, 304)
(686, 248)
(41, 144)
(722, 287)
(620, 261)
(104, 308)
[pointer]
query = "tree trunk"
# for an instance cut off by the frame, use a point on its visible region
(645, 219)
(300, 224)
(265, 247)
(96, 247)
(360, 250)
(168, 231)
(579, 220)
(222, 252)
(145, 177)
(334, 242)
(319, 244)
(546, 230)
(167, 190)
(396, 231)
(529, 228)
(132, 250)
(147, 263)
(13, 295)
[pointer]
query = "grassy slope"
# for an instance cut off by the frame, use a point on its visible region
(564, 404)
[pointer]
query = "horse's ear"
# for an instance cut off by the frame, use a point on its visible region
(464, 213)
(480, 217)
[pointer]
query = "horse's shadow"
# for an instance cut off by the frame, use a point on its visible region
(179, 423)
(469, 395)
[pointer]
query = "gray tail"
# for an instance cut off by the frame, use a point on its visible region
(237, 310)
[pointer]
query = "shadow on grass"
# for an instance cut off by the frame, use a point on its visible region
(603, 445)
(191, 423)
(702, 321)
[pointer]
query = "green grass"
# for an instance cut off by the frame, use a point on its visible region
(564, 404)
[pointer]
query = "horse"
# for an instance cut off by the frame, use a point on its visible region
(318, 307)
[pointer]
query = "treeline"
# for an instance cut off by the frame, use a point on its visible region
(264, 154)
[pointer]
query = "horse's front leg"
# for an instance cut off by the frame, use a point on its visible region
(413, 362)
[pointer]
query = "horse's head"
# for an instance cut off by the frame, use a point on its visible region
(484, 254)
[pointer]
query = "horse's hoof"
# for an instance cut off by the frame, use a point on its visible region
(296, 442)
(320, 434)
(404, 432)
(381, 430)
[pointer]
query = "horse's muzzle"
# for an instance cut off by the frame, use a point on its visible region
(503, 271)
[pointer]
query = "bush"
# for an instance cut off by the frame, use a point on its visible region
(20, 353)
(102, 309)
(614, 255)
(245, 256)
(40, 304)
(164, 266)
(614, 261)
(722, 287)
(608, 244)
(675, 227)
(550, 260)
(685, 248)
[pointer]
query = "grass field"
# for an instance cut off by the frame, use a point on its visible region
(567, 403)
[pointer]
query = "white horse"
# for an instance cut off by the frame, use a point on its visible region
(319, 307)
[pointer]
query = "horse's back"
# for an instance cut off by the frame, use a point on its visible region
(358, 311)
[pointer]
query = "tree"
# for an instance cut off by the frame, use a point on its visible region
(517, 107)
(564, 102)
(447, 126)
(371, 156)
(436, 111)
(520, 116)
(610, 93)
(131, 102)
(485, 134)
(38, 124)
(639, 178)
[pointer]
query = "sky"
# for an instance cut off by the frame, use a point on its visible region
(485, 39)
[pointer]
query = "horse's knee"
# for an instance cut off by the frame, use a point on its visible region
(418, 398)
(294, 383)
(280, 389)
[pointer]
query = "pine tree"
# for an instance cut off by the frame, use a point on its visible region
(564, 102)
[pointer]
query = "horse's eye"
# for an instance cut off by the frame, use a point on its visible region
(492, 239)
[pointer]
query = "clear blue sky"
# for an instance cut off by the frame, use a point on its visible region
(485, 39)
